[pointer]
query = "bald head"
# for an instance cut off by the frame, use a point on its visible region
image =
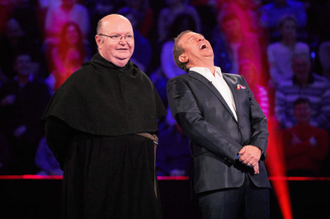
(112, 18)
(119, 49)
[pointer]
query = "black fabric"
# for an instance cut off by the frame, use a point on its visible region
(105, 176)
(58, 137)
(91, 126)
(110, 177)
(247, 201)
(103, 99)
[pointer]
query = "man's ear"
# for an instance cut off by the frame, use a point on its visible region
(98, 39)
(183, 58)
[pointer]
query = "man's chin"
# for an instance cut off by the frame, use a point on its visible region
(121, 62)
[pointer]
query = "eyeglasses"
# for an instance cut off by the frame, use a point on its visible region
(117, 38)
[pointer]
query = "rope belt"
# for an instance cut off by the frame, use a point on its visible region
(155, 140)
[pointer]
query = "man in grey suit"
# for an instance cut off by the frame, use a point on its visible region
(227, 130)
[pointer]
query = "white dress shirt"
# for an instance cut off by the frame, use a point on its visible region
(220, 84)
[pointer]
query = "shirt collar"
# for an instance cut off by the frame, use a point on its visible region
(205, 71)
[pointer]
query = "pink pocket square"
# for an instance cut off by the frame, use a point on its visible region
(240, 87)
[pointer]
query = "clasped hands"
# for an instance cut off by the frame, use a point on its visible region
(250, 156)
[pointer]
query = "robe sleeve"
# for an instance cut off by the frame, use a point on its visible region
(58, 137)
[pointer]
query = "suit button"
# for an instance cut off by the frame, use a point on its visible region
(240, 127)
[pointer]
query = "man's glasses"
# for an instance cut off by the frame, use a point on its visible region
(117, 38)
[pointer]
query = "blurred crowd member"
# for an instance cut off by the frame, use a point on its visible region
(142, 52)
(168, 14)
(249, 72)
(181, 23)
(143, 15)
(272, 13)
(304, 84)
(6, 10)
(12, 42)
(98, 9)
(241, 45)
(280, 53)
(222, 55)
(46, 161)
(46, 4)
(247, 12)
(23, 100)
(173, 152)
(305, 146)
(168, 69)
(30, 19)
(324, 56)
(68, 55)
(58, 16)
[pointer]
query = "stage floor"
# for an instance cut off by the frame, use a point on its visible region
(35, 197)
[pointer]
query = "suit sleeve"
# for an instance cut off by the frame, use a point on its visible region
(186, 112)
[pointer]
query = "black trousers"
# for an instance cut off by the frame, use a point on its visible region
(245, 202)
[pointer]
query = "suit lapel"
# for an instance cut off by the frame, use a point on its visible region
(232, 85)
(209, 84)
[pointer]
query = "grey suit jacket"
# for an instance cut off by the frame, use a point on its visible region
(215, 136)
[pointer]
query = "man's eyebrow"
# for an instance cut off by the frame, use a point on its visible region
(191, 37)
(195, 35)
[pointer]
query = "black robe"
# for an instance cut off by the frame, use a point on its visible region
(92, 119)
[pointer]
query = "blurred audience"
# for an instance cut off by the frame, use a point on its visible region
(324, 56)
(168, 69)
(272, 13)
(305, 146)
(142, 15)
(46, 4)
(67, 56)
(12, 42)
(304, 84)
(98, 9)
(249, 72)
(58, 16)
(142, 52)
(46, 161)
(280, 53)
(23, 100)
(173, 153)
(168, 14)
(26, 12)
(241, 45)
(247, 12)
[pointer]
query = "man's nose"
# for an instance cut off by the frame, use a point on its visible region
(122, 41)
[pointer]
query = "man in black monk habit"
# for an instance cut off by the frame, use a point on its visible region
(227, 131)
(101, 126)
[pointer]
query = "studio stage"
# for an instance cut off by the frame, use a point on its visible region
(39, 197)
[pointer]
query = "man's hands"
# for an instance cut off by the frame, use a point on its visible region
(250, 155)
